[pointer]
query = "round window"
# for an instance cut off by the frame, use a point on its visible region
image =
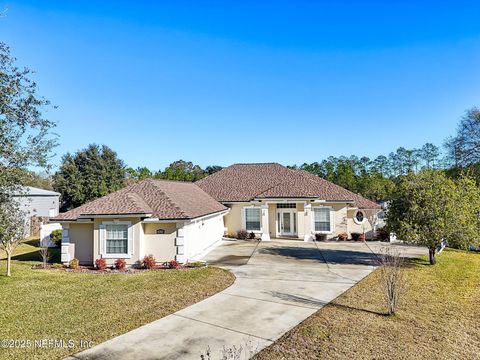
(359, 216)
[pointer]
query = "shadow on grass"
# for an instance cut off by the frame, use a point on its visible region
(416, 262)
(35, 256)
(32, 242)
(309, 301)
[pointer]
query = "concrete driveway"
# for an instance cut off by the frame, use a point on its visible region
(278, 285)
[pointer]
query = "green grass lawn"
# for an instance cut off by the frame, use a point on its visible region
(54, 304)
(439, 318)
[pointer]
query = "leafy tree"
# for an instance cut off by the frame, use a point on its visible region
(377, 187)
(88, 174)
(25, 135)
(429, 207)
(464, 148)
(12, 229)
(41, 181)
(430, 155)
(466, 217)
(381, 165)
(345, 175)
(213, 169)
(183, 171)
(140, 173)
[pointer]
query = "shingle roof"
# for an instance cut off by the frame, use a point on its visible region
(163, 199)
(245, 182)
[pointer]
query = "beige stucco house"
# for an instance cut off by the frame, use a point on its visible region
(277, 202)
(179, 220)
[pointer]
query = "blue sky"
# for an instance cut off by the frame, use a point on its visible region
(218, 82)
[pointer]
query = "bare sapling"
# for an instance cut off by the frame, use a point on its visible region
(391, 277)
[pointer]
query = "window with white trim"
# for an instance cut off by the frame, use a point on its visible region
(322, 219)
(116, 239)
(252, 219)
(359, 216)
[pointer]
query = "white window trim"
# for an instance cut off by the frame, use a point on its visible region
(103, 240)
(355, 220)
(244, 219)
(332, 220)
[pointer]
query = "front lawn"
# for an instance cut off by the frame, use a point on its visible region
(439, 318)
(57, 305)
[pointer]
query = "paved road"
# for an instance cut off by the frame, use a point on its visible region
(278, 285)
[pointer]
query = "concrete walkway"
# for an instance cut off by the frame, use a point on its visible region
(278, 285)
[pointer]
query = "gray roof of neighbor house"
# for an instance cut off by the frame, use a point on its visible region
(245, 182)
(160, 198)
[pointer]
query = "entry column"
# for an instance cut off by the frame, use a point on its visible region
(265, 223)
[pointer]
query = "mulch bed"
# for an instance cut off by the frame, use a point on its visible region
(112, 270)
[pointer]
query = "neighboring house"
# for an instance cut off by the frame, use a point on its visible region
(179, 220)
(37, 203)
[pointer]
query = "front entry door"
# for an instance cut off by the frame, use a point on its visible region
(287, 219)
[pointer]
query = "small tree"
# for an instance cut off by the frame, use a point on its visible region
(371, 218)
(12, 229)
(45, 255)
(429, 207)
(391, 277)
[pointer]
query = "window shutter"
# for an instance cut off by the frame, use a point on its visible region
(130, 240)
(102, 230)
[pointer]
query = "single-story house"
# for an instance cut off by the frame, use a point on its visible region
(37, 204)
(179, 220)
(274, 202)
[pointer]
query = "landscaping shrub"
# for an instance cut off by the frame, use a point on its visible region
(57, 266)
(251, 235)
(361, 237)
(383, 234)
(355, 236)
(242, 234)
(343, 236)
(101, 264)
(120, 264)
(320, 237)
(149, 262)
(74, 264)
(173, 264)
(56, 237)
